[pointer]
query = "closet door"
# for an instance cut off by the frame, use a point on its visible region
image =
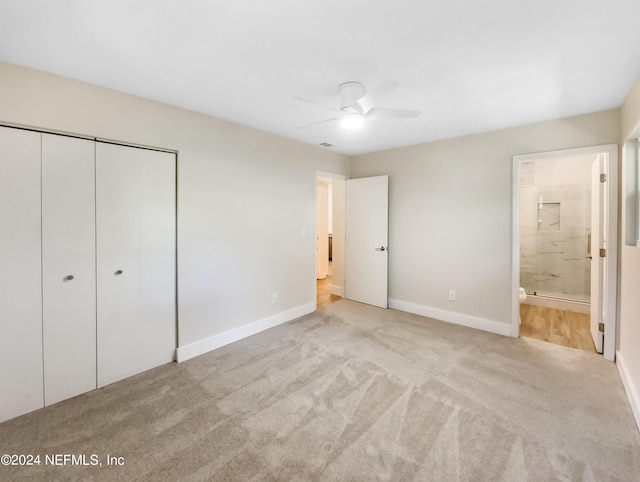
(135, 218)
(20, 274)
(68, 267)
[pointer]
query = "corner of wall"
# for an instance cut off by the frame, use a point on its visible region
(205, 345)
(630, 388)
(630, 113)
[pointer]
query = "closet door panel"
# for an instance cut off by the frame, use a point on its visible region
(158, 252)
(21, 375)
(68, 266)
(135, 208)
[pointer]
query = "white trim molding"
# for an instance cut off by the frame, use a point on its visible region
(632, 391)
(201, 347)
(452, 317)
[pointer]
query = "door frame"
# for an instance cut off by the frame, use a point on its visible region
(611, 287)
(318, 174)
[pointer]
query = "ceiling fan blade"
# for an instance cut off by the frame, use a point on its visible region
(313, 102)
(367, 101)
(319, 122)
(377, 114)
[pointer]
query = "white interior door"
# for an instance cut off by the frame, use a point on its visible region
(366, 250)
(322, 230)
(21, 375)
(135, 218)
(598, 242)
(68, 267)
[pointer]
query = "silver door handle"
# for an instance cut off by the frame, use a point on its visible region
(381, 248)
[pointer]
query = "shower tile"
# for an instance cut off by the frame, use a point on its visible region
(558, 195)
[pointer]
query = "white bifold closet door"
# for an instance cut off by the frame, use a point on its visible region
(136, 232)
(68, 267)
(21, 373)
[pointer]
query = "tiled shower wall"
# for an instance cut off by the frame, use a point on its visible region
(555, 222)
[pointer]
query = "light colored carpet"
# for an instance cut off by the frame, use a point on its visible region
(350, 392)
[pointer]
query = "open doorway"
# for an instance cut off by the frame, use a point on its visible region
(564, 247)
(330, 238)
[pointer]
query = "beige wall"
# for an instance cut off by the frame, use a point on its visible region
(630, 112)
(450, 214)
(243, 196)
(628, 356)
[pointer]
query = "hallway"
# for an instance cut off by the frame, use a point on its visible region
(323, 290)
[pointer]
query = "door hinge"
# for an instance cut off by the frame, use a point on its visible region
(601, 327)
(603, 178)
(603, 253)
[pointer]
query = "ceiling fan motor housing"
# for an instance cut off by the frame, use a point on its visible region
(350, 93)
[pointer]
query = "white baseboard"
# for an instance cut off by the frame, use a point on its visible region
(200, 347)
(630, 388)
(337, 290)
(451, 317)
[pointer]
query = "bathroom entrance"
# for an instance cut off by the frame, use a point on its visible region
(564, 247)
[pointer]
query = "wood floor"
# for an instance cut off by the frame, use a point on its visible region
(566, 328)
(323, 292)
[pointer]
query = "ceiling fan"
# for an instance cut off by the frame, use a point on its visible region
(357, 105)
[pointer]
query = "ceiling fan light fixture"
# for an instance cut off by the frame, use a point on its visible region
(350, 93)
(352, 121)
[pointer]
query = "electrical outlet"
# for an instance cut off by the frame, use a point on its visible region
(274, 298)
(452, 295)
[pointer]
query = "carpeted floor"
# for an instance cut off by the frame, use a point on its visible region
(350, 392)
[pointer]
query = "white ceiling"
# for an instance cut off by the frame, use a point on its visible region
(468, 65)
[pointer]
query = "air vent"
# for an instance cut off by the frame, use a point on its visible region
(326, 144)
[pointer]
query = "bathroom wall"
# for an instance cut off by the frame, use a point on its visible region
(555, 221)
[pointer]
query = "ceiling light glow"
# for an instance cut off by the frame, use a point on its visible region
(352, 121)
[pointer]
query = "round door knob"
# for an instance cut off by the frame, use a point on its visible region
(69, 278)
(119, 272)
